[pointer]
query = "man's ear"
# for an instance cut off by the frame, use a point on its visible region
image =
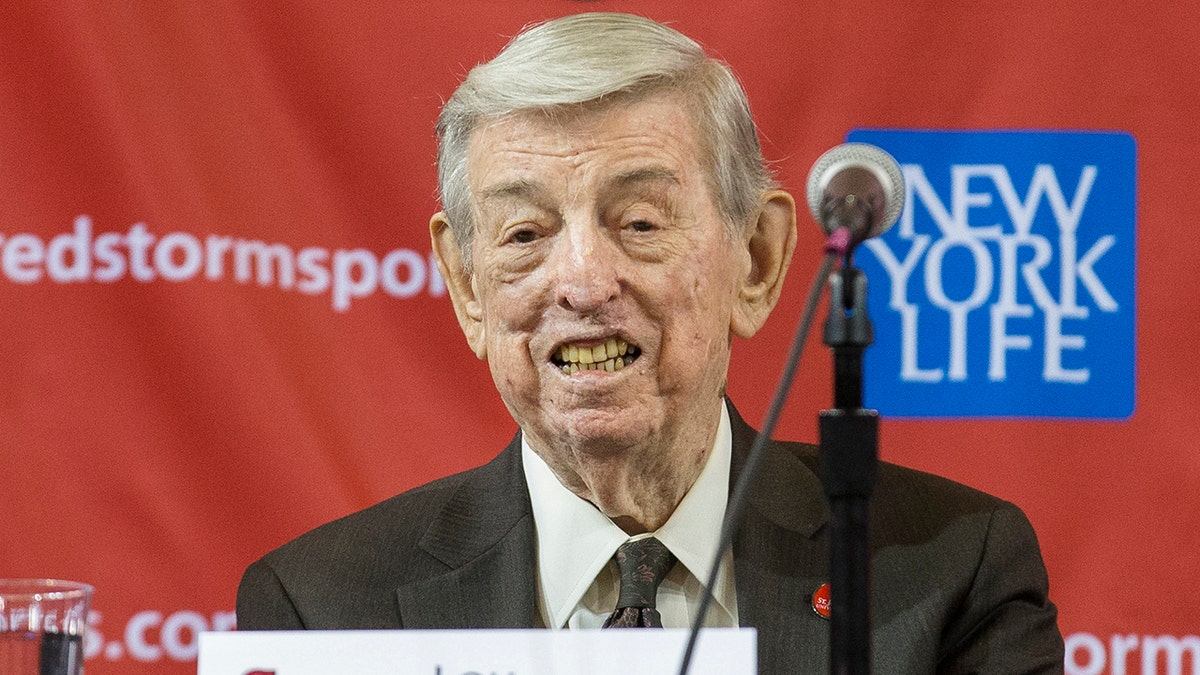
(769, 244)
(459, 283)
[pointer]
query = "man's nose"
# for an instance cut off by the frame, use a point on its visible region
(586, 268)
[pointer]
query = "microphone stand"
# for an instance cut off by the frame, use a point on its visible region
(849, 460)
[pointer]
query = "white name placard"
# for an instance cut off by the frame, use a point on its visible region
(475, 652)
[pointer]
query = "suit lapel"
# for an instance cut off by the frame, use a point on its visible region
(781, 555)
(484, 536)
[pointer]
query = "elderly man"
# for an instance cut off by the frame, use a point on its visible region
(609, 228)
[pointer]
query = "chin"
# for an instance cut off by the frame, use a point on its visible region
(604, 432)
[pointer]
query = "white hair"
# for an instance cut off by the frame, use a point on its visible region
(583, 62)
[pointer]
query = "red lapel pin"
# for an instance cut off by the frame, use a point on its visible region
(820, 601)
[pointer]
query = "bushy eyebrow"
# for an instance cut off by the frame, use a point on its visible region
(650, 174)
(535, 192)
(521, 188)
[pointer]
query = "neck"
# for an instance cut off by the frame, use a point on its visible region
(638, 487)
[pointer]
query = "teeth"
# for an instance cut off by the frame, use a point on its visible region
(610, 348)
(610, 356)
(609, 365)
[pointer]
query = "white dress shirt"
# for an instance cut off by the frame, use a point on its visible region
(578, 582)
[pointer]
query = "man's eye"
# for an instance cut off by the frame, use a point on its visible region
(642, 226)
(523, 237)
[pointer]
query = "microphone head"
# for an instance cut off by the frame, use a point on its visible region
(857, 171)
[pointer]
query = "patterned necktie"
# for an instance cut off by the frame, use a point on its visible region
(644, 564)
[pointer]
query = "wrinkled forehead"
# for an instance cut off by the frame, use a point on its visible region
(655, 133)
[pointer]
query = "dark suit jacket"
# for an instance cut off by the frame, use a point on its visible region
(957, 577)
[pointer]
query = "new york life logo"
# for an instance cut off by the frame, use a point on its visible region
(1007, 287)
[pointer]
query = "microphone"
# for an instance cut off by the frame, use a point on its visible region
(856, 186)
(856, 190)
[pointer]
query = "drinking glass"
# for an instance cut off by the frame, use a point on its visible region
(42, 622)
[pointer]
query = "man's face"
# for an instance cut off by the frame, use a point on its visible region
(604, 277)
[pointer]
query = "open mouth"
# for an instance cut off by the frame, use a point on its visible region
(611, 355)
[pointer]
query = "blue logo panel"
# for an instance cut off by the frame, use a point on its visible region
(1007, 287)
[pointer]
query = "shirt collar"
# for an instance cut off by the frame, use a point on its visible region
(575, 540)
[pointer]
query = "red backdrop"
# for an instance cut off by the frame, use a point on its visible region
(171, 407)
